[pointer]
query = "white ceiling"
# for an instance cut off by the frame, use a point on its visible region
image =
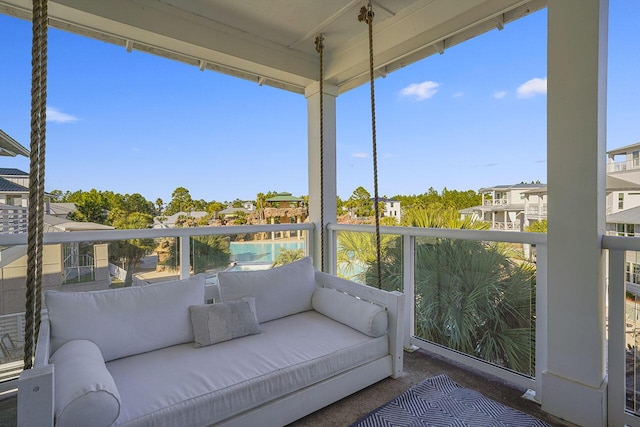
(272, 41)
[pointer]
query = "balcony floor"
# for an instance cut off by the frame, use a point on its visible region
(418, 366)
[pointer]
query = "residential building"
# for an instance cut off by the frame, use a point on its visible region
(391, 208)
(505, 207)
(74, 265)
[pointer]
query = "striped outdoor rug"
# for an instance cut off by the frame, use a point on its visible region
(440, 402)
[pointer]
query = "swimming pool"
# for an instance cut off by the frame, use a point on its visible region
(261, 252)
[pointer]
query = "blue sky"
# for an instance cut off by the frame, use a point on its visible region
(135, 123)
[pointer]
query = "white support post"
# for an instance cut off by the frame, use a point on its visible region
(541, 316)
(329, 190)
(185, 263)
(409, 260)
(617, 341)
(574, 385)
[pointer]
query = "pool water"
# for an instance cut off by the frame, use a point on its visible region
(261, 252)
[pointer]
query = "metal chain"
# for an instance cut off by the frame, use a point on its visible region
(320, 50)
(366, 15)
(36, 179)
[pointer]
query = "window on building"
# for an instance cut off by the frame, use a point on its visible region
(636, 158)
(620, 200)
(14, 200)
(632, 272)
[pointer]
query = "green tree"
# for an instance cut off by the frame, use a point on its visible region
(287, 256)
(159, 206)
(360, 202)
(209, 252)
(474, 297)
(91, 206)
(181, 201)
(206, 252)
(261, 202)
(213, 207)
(538, 227)
(129, 253)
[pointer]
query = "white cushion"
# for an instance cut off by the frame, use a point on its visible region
(279, 292)
(213, 383)
(126, 321)
(363, 316)
(214, 323)
(85, 393)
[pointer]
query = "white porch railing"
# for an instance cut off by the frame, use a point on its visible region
(624, 165)
(623, 391)
(496, 202)
(183, 238)
(13, 219)
(409, 236)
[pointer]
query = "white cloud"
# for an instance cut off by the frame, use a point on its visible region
(57, 116)
(360, 155)
(421, 91)
(533, 87)
(458, 94)
(499, 94)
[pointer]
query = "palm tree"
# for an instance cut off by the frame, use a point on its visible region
(287, 256)
(474, 297)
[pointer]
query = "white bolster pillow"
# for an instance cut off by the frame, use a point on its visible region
(85, 393)
(363, 316)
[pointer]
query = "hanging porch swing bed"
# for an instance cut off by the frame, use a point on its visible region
(275, 345)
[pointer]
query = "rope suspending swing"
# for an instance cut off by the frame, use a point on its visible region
(320, 50)
(366, 15)
(35, 228)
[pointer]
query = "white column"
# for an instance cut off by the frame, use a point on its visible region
(329, 191)
(574, 384)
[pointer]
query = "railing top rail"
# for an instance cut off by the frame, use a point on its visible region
(150, 233)
(448, 233)
(621, 243)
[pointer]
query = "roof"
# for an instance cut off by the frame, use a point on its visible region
(272, 42)
(8, 186)
(512, 187)
(625, 149)
(11, 147)
(62, 209)
(614, 183)
(228, 211)
(627, 216)
(284, 197)
(385, 200)
(13, 171)
(53, 224)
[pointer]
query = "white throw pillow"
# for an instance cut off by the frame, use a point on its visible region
(85, 393)
(224, 321)
(363, 316)
(126, 321)
(279, 292)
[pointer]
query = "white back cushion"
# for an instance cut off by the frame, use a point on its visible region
(363, 316)
(279, 292)
(126, 321)
(85, 393)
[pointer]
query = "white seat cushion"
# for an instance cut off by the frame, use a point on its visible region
(279, 292)
(187, 386)
(126, 321)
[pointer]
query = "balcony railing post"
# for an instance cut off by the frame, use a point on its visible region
(408, 268)
(185, 249)
(333, 251)
(617, 342)
(541, 316)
